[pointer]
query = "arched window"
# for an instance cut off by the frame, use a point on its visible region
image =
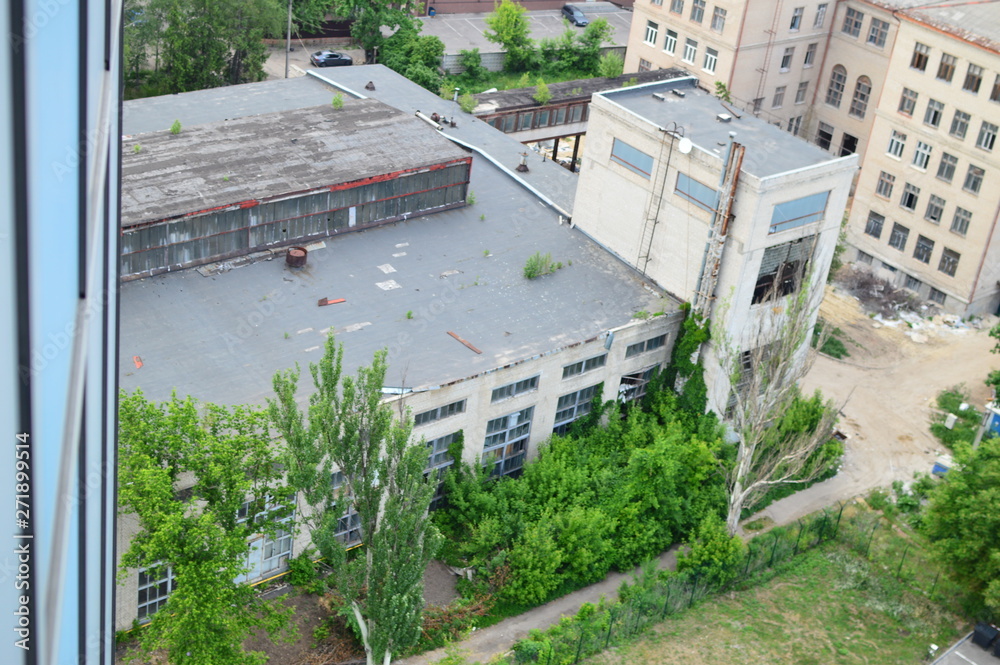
(862, 92)
(838, 80)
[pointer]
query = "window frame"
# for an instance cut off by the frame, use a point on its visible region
(960, 124)
(439, 412)
(923, 249)
(878, 30)
(946, 67)
(947, 167)
(908, 102)
(885, 184)
(810, 58)
(935, 209)
(973, 78)
(899, 236)
(861, 97)
(934, 113)
(786, 59)
(652, 33)
(796, 23)
(974, 177)
(711, 58)
(837, 85)
(801, 91)
(853, 20)
(697, 11)
(922, 155)
(820, 15)
(585, 365)
(625, 154)
(987, 136)
(690, 51)
(897, 144)
(948, 263)
(921, 56)
(960, 221)
(718, 19)
(910, 198)
(514, 389)
(874, 224)
(670, 41)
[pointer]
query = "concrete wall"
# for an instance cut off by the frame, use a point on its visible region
(479, 410)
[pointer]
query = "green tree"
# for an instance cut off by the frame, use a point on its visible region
(714, 555)
(995, 334)
(370, 16)
(542, 93)
(589, 42)
(508, 27)
(963, 522)
(611, 65)
(226, 464)
(349, 429)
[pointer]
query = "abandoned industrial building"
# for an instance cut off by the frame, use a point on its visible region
(474, 346)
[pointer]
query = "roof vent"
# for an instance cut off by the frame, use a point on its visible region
(679, 93)
(723, 117)
(659, 96)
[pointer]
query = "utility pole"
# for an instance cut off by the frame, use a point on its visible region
(288, 37)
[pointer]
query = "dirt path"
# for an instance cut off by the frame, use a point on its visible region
(887, 389)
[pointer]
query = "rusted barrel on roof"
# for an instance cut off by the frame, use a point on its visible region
(296, 257)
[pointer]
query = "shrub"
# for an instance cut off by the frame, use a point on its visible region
(714, 554)
(472, 61)
(542, 94)
(338, 101)
(467, 103)
(175, 128)
(611, 65)
(539, 264)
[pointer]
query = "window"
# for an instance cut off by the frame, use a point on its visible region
(824, 135)
(885, 184)
(658, 3)
(838, 80)
(935, 208)
(910, 195)
(935, 110)
(572, 407)
(995, 92)
(921, 54)
(690, 50)
(506, 442)
(719, 19)
(946, 169)
(584, 366)
(922, 155)
(644, 346)
(960, 124)
(524, 120)
(516, 388)
(973, 179)
(652, 32)
(820, 15)
(960, 222)
(862, 92)
(348, 531)
(155, 585)
(703, 196)
(914, 284)
(897, 141)
(877, 32)
(438, 460)
(786, 59)
(937, 296)
(848, 144)
(796, 18)
(898, 236)
(711, 59)
(800, 92)
(908, 101)
(677, 6)
(873, 226)
(973, 78)
(949, 261)
(670, 43)
(987, 136)
(634, 160)
(698, 11)
(810, 55)
(781, 269)
(757, 103)
(793, 214)
(864, 257)
(922, 252)
(440, 412)
(795, 125)
(645, 65)
(633, 386)
(946, 70)
(779, 97)
(852, 22)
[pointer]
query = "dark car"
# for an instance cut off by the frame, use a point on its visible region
(330, 59)
(574, 16)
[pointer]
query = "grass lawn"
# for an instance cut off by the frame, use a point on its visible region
(828, 606)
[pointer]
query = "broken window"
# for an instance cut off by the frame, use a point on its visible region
(782, 268)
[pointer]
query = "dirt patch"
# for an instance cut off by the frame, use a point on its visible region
(439, 584)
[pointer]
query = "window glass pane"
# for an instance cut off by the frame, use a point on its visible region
(632, 159)
(799, 212)
(703, 196)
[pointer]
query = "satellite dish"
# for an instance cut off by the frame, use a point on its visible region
(685, 145)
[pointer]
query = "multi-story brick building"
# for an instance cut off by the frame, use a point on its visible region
(911, 87)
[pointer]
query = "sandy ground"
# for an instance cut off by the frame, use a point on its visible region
(886, 389)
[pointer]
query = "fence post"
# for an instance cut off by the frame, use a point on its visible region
(870, 536)
(746, 568)
(934, 586)
(795, 552)
(902, 559)
(694, 587)
(822, 529)
(611, 625)
(774, 548)
(579, 647)
(666, 602)
(836, 528)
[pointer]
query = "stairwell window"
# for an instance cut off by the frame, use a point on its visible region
(835, 91)
(800, 93)
(634, 160)
(852, 22)
(779, 97)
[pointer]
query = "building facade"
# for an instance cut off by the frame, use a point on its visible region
(659, 188)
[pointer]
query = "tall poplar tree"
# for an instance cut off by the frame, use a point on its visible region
(349, 429)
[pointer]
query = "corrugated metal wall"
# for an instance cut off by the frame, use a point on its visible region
(190, 241)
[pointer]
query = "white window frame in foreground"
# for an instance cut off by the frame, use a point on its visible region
(711, 60)
(652, 32)
(583, 366)
(506, 444)
(690, 51)
(514, 389)
(572, 407)
(633, 386)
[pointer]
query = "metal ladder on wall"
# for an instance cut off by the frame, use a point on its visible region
(763, 69)
(654, 202)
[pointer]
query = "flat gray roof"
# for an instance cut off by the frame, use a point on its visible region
(263, 156)
(977, 22)
(964, 652)
(769, 149)
(222, 337)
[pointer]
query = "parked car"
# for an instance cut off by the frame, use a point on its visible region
(330, 59)
(573, 14)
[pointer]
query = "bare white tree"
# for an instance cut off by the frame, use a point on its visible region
(779, 431)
